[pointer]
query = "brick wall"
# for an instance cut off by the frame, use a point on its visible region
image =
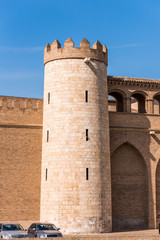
(20, 159)
(129, 189)
(135, 129)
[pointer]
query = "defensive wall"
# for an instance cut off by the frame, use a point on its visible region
(21, 139)
(20, 158)
(21, 134)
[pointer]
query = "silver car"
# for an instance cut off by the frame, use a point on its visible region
(12, 230)
(44, 230)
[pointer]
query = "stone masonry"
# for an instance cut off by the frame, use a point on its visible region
(87, 156)
(67, 196)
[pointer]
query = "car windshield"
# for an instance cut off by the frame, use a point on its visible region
(12, 227)
(46, 227)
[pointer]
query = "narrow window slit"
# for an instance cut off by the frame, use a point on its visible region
(87, 174)
(46, 174)
(49, 98)
(86, 96)
(87, 135)
(47, 135)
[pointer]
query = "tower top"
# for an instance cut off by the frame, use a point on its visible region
(54, 51)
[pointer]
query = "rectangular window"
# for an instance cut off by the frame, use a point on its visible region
(47, 135)
(87, 174)
(49, 98)
(46, 174)
(87, 135)
(86, 96)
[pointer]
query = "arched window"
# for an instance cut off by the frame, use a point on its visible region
(138, 103)
(116, 102)
(156, 104)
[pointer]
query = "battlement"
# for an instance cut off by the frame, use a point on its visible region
(54, 51)
(21, 103)
(21, 111)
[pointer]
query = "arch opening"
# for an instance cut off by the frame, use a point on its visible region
(138, 103)
(129, 189)
(116, 102)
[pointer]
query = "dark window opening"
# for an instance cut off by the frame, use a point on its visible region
(46, 174)
(49, 98)
(87, 174)
(87, 135)
(47, 135)
(86, 96)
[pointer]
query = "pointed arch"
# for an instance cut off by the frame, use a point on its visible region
(129, 189)
(133, 142)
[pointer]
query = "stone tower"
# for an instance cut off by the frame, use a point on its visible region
(75, 184)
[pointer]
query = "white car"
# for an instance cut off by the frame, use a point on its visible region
(12, 230)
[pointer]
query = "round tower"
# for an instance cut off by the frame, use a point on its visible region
(75, 184)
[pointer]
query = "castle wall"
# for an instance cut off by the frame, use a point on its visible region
(134, 128)
(140, 129)
(20, 159)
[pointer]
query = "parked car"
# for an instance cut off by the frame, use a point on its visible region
(44, 230)
(12, 230)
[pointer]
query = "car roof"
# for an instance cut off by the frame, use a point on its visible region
(10, 223)
(41, 223)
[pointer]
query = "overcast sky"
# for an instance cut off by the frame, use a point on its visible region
(129, 28)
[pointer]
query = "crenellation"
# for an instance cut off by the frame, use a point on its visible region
(85, 44)
(21, 103)
(104, 48)
(10, 103)
(17, 103)
(69, 43)
(56, 44)
(54, 52)
(4, 102)
(35, 104)
(97, 45)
